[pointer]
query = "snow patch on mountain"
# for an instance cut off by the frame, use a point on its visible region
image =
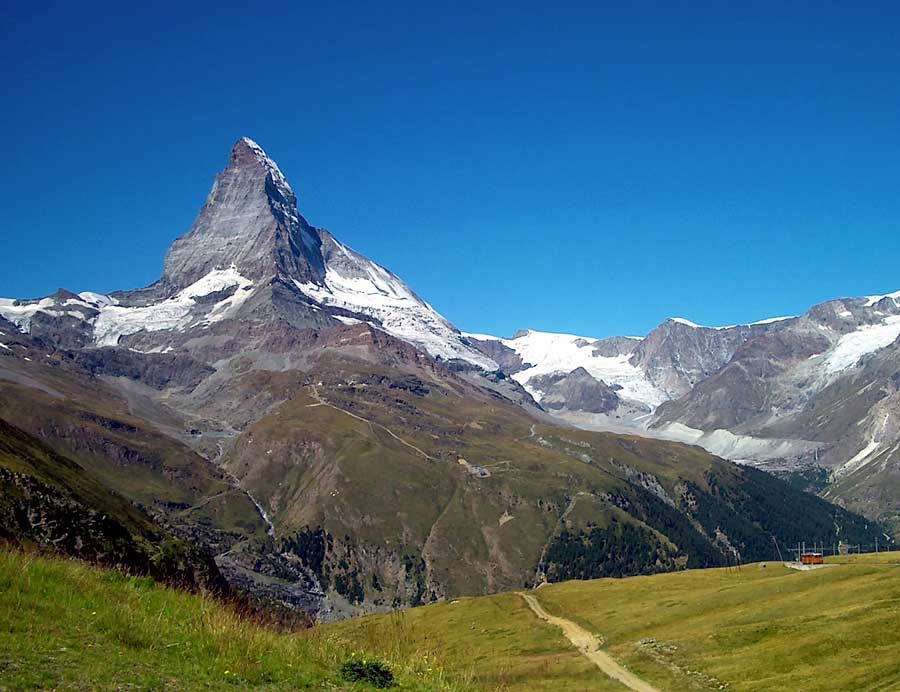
(859, 460)
(871, 300)
(549, 353)
(867, 339)
(20, 313)
(771, 320)
(97, 299)
(355, 283)
(178, 312)
(694, 325)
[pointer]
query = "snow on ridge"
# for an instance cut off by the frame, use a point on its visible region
(770, 320)
(871, 300)
(116, 321)
(694, 325)
(480, 337)
(526, 333)
(268, 163)
(688, 323)
(355, 283)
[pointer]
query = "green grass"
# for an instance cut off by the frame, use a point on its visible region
(66, 625)
(757, 628)
(487, 643)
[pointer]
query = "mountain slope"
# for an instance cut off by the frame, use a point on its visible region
(488, 500)
(51, 502)
(67, 625)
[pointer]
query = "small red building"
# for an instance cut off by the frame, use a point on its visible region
(812, 559)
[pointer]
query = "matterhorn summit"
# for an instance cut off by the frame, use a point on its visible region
(250, 220)
(249, 258)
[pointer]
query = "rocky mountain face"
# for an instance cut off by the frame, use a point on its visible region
(250, 221)
(297, 411)
(577, 390)
(812, 395)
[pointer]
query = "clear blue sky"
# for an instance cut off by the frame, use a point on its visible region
(583, 168)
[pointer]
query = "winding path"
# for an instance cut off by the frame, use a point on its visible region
(372, 424)
(587, 644)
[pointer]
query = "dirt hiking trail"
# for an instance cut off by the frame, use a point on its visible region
(587, 644)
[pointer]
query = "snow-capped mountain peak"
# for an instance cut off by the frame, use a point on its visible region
(246, 150)
(250, 220)
(250, 254)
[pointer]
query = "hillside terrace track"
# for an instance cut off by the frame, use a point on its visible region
(371, 425)
(588, 645)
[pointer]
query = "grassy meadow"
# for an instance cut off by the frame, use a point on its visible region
(757, 628)
(66, 625)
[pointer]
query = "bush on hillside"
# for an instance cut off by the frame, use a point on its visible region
(375, 673)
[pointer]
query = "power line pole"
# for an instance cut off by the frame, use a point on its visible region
(778, 550)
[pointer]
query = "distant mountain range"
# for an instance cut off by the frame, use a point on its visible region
(297, 411)
(814, 395)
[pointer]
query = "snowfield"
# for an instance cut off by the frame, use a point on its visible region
(112, 321)
(867, 339)
(871, 300)
(116, 321)
(20, 315)
(550, 353)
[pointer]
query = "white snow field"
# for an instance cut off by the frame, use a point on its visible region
(550, 353)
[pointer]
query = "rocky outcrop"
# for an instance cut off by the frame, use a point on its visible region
(615, 346)
(677, 355)
(575, 391)
(742, 391)
(156, 370)
(509, 361)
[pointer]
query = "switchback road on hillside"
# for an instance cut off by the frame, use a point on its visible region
(587, 644)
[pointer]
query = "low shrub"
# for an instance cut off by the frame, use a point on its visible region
(375, 673)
